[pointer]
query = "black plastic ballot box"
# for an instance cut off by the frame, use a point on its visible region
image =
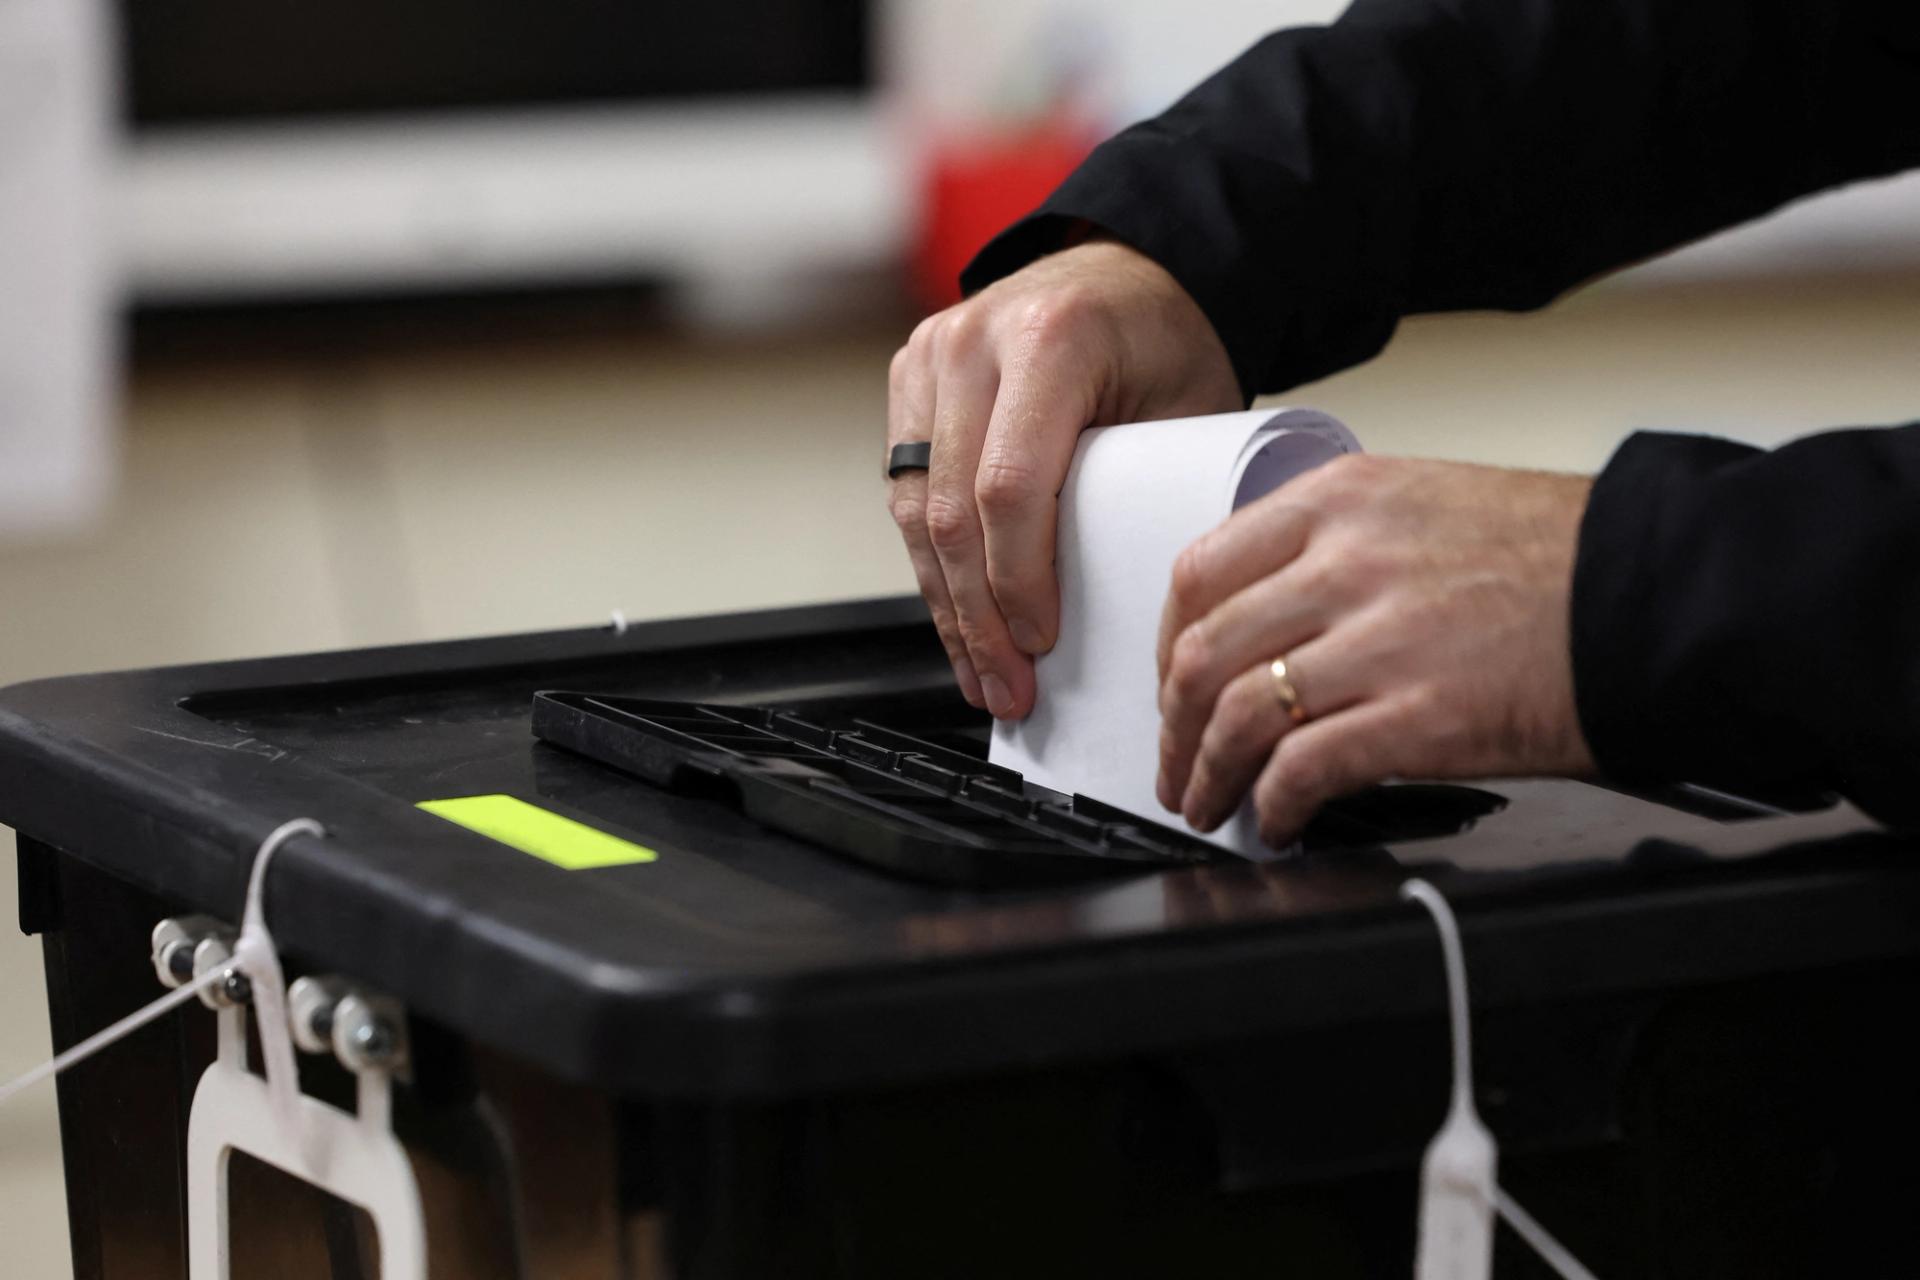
(757, 1047)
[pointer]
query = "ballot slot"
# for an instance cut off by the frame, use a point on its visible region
(869, 791)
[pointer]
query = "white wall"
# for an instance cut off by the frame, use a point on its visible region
(55, 460)
(961, 60)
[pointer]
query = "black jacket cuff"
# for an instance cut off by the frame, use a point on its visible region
(1751, 619)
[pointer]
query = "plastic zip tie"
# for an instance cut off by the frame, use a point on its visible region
(253, 955)
(118, 1031)
(1459, 1193)
(1457, 1184)
(1551, 1251)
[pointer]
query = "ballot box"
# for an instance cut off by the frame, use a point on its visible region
(631, 1016)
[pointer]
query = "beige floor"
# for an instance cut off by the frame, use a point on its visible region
(457, 486)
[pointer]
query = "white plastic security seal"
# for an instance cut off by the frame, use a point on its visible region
(118, 1031)
(1458, 1175)
(354, 1157)
(1459, 1187)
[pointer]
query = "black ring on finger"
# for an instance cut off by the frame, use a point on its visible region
(913, 455)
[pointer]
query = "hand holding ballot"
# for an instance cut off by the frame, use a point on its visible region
(1001, 387)
(1740, 617)
(1418, 610)
(1421, 611)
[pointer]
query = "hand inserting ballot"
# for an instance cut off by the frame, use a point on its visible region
(1001, 385)
(1421, 609)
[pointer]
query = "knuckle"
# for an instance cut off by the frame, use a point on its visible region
(947, 623)
(962, 329)
(1429, 703)
(1352, 468)
(1190, 573)
(1239, 715)
(1332, 482)
(1056, 314)
(976, 631)
(897, 368)
(1357, 562)
(1003, 486)
(908, 509)
(921, 341)
(1319, 577)
(1191, 665)
(949, 523)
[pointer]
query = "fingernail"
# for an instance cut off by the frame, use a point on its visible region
(999, 700)
(969, 682)
(1026, 635)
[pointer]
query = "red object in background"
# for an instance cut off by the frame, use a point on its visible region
(974, 185)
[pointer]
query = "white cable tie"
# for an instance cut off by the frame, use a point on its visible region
(118, 1031)
(1457, 1184)
(253, 955)
(1459, 1194)
(1552, 1251)
(256, 953)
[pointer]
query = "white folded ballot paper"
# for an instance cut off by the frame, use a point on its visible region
(1135, 496)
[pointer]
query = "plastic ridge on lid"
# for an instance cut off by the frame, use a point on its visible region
(883, 797)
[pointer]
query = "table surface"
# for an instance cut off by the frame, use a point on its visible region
(744, 963)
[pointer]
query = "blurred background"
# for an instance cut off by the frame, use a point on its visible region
(389, 320)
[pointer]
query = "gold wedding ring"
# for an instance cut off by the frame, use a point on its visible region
(1284, 693)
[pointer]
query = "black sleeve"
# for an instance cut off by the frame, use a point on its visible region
(1752, 618)
(1423, 155)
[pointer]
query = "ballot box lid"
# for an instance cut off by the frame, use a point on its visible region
(687, 950)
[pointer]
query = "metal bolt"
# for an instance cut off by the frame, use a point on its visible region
(374, 1040)
(311, 1002)
(368, 1034)
(177, 959)
(175, 942)
(208, 955)
(236, 987)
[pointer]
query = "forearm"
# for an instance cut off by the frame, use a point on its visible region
(1477, 153)
(1752, 618)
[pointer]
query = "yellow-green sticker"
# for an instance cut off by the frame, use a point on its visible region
(531, 829)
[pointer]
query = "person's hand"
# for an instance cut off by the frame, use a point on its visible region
(1002, 385)
(1421, 608)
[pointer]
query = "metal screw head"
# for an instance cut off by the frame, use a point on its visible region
(237, 988)
(374, 1039)
(365, 1036)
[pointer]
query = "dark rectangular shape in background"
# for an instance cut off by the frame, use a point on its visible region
(198, 61)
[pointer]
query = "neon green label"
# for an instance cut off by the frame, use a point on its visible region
(531, 829)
